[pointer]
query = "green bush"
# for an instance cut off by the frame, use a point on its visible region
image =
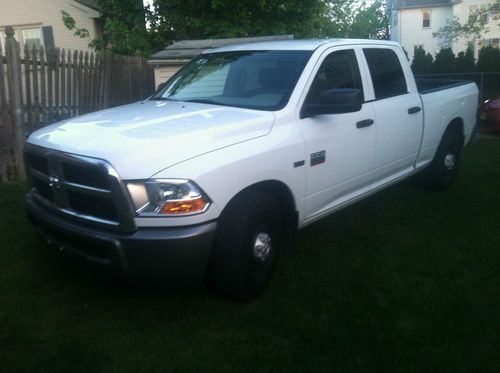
(422, 62)
(489, 60)
(465, 62)
(444, 62)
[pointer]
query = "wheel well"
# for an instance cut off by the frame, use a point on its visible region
(283, 195)
(457, 125)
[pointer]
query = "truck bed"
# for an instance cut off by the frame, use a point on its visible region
(443, 101)
(426, 85)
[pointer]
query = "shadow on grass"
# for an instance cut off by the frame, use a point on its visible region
(405, 280)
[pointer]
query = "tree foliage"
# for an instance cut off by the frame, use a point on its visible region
(489, 60)
(192, 19)
(422, 62)
(474, 28)
(356, 19)
(70, 24)
(370, 22)
(444, 62)
(124, 29)
(465, 61)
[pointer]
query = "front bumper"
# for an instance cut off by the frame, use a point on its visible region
(176, 256)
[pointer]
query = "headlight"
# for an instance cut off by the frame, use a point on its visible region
(167, 197)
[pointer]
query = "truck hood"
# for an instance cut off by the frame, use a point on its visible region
(144, 138)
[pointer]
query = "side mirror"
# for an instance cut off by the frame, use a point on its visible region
(334, 101)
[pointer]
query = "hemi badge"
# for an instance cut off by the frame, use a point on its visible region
(299, 163)
(318, 157)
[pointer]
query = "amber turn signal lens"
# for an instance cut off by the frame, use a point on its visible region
(182, 207)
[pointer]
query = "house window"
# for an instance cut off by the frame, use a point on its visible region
(426, 18)
(478, 13)
(495, 10)
(492, 43)
(32, 37)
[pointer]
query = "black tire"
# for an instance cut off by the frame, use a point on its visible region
(443, 170)
(241, 264)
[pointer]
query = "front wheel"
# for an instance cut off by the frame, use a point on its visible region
(246, 245)
(443, 170)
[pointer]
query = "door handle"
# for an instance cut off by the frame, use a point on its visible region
(414, 109)
(364, 123)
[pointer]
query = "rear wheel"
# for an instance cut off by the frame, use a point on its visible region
(246, 245)
(444, 167)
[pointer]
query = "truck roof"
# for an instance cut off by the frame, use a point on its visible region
(297, 44)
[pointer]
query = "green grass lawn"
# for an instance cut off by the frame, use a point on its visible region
(407, 280)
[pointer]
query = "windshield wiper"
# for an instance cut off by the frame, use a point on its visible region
(161, 98)
(203, 101)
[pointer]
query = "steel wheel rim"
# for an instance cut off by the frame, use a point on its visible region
(261, 247)
(449, 161)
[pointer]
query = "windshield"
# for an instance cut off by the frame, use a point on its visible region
(262, 80)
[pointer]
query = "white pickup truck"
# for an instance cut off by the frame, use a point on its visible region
(242, 145)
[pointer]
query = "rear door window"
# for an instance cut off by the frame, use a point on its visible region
(386, 72)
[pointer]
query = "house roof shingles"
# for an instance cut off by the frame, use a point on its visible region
(406, 4)
(90, 3)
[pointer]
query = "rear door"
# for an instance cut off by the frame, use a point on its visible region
(398, 113)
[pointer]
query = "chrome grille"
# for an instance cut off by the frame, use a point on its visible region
(85, 176)
(101, 207)
(37, 163)
(42, 187)
(82, 188)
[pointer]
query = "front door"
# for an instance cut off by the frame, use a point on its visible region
(340, 148)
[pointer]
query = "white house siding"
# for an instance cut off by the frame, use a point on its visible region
(408, 31)
(461, 10)
(37, 13)
(411, 32)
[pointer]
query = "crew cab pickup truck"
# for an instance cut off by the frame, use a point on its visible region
(243, 144)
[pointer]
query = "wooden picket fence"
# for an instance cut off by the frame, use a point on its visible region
(39, 87)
